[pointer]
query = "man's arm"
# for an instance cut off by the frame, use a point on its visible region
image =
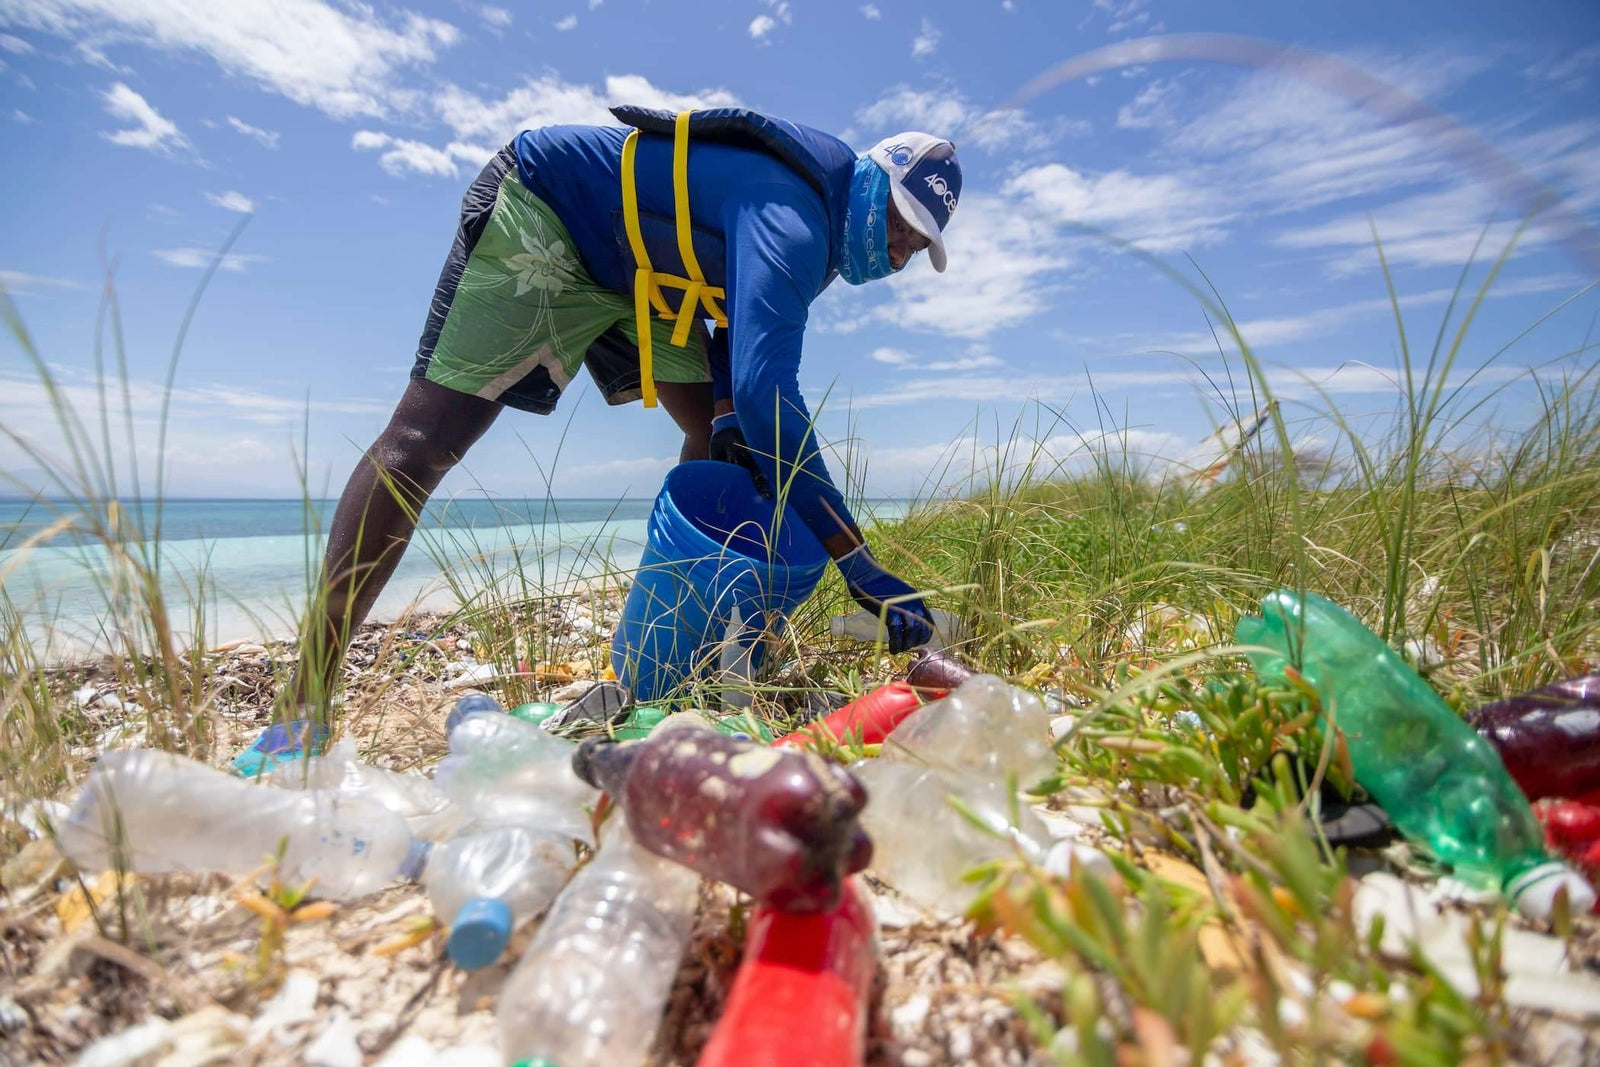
(777, 257)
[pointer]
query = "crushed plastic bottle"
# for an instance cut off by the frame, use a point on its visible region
(780, 825)
(590, 989)
(155, 812)
(1549, 739)
(486, 879)
(1441, 784)
(922, 845)
(510, 772)
(987, 728)
(415, 799)
(810, 971)
(471, 704)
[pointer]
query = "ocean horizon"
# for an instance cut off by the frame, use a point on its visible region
(250, 561)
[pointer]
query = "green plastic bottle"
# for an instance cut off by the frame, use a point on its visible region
(644, 718)
(1441, 784)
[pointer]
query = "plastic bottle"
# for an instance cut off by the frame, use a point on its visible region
(154, 812)
(590, 989)
(936, 673)
(871, 717)
(801, 974)
(922, 845)
(416, 799)
(470, 704)
(987, 728)
(510, 772)
(867, 626)
(1441, 784)
(778, 824)
(486, 879)
(1549, 739)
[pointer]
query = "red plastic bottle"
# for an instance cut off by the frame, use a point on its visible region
(874, 715)
(780, 825)
(799, 998)
(1549, 739)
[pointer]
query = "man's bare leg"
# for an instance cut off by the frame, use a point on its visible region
(431, 430)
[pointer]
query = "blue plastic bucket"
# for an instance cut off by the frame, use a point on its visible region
(715, 550)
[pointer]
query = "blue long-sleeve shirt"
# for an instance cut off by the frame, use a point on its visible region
(761, 232)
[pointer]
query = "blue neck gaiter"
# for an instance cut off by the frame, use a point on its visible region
(865, 255)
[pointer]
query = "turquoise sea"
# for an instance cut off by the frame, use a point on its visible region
(252, 561)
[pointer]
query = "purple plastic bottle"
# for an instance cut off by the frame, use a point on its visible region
(1549, 739)
(780, 825)
(935, 673)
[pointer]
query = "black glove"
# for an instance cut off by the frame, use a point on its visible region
(727, 446)
(905, 617)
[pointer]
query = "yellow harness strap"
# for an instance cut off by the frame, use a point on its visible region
(647, 281)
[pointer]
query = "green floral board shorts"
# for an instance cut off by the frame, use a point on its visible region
(515, 314)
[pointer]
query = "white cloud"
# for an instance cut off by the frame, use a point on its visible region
(344, 60)
(267, 138)
(1001, 259)
(1150, 108)
(15, 45)
(870, 12)
(400, 157)
(949, 113)
(762, 25)
(568, 23)
(200, 258)
(1124, 16)
(895, 357)
(232, 200)
(926, 42)
(16, 281)
(23, 117)
(550, 100)
(495, 16)
(149, 130)
(1159, 212)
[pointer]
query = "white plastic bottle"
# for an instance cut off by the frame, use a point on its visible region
(591, 987)
(867, 626)
(154, 812)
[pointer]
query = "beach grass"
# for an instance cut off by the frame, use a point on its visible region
(1110, 578)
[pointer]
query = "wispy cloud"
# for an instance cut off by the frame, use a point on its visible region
(870, 12)
(400, 157)
(200, 258)
(150, 130)
(267, 138)
(15, 45)
(495, 16)
(16, 281)
(762, 26)
(570, 22)
(926, 42)
(232, 200)
(344, 60)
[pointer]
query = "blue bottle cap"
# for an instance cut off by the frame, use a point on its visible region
(479, 934)
(470, 704)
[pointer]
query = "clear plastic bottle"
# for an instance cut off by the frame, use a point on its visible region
(1441, 784)
(922, 845)
(414, 798)
(987, 728)
(511, 772)
(486, 879)
(590, 989)
(154, 812)
(778, 824)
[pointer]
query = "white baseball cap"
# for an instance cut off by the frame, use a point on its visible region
(924, 182)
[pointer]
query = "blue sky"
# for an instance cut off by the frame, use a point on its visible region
(140, 132)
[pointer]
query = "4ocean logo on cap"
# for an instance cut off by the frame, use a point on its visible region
(899, 154)
(941, 189)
